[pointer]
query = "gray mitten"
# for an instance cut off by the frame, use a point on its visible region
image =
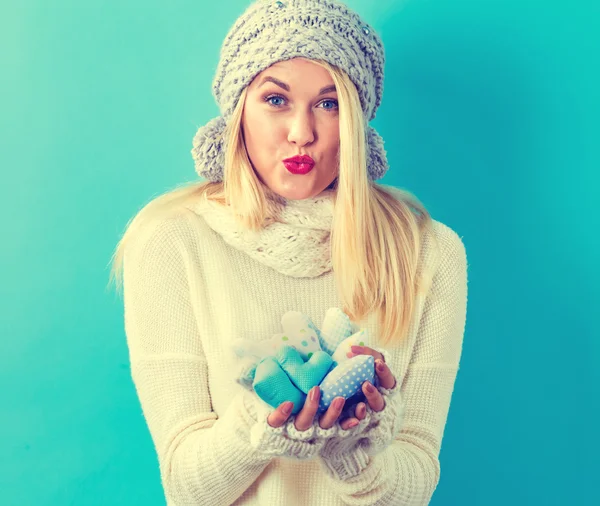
(348, 454)
(284, 441)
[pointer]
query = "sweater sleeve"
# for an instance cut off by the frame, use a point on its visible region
(407, 472)
(203, 458)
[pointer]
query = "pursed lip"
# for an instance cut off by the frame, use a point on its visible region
(300, 159)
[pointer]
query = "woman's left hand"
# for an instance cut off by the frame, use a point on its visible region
(377, 422)
(374, 398)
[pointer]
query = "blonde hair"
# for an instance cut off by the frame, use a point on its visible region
(377, 231)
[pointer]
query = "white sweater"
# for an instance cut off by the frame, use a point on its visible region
(188, 294)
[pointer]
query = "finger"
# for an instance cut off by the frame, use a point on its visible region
(361, 411)
(278, 417)
(386, 378)
(304, 418)
(374, 398)
(332, 414)
(365, 350)
(348, 423)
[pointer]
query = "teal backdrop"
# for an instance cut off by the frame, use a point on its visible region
(491, 117)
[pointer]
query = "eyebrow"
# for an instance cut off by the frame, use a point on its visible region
(286, 87)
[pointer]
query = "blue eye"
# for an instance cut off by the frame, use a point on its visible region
(273, 97)
(334, 102)
(269, 99)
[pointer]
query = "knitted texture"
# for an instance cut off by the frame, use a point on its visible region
(270, 31)
(298, 245)
(188, 294)
(348, 455)
(286, 440)
(344, 452)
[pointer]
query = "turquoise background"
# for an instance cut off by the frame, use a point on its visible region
(490, 116)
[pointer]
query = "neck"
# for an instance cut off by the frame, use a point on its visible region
(296, 244)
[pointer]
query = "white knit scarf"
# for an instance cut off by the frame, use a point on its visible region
(296, 244)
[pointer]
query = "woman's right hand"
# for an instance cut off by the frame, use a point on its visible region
(305, 417)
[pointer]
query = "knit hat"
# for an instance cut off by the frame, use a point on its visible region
(272, 31)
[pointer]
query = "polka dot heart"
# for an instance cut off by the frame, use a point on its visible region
(346, 379)
(360, 338)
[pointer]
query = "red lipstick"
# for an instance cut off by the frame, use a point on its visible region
(300, 164)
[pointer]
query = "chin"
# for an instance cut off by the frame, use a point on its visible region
(295, 193)
(296, 187)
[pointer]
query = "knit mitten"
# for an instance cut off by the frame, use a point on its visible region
(347, 453)
(246, 371)
(284, 441)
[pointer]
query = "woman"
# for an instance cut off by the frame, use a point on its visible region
(267, 233)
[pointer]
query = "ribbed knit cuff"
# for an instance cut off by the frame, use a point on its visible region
(286, 440)
(349, 454)
(341, 454)
(346, 465)
(279, 441)
(385, 424)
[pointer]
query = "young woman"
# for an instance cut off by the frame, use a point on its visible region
(290, 218)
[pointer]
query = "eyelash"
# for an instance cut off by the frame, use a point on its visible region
(266, 99)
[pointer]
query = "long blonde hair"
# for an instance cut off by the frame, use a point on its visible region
(377, 230)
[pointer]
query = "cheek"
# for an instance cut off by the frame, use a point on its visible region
(333, 139)
(331, 128)
(256, 117)
(262, 129)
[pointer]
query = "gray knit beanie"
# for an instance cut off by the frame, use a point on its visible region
(271, 31)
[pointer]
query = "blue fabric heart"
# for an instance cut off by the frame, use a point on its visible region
(346, 379)
(305, 375)
(290, 371)
(274, 386)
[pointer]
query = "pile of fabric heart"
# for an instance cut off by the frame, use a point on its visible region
(288, 365)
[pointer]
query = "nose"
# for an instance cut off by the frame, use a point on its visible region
(301, 129)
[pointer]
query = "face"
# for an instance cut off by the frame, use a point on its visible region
(291, 109)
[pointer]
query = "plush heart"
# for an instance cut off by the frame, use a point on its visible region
(346, 379)
(304, 356)
(305, 375)
(298, 332)
(273, 385)
(360, 338)
(336, 327)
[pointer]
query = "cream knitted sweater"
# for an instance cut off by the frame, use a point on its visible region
(189, 290)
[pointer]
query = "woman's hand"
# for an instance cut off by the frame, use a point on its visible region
(374, 398)
(304, 419)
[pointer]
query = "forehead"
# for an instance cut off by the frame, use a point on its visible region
(295, 69)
